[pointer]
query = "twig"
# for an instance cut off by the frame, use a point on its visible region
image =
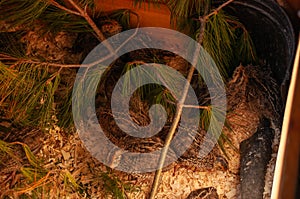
(54, 3)
(197, 107)
(188, 106)
(219, 8)
(54, 75)
(83, 13)
(237, 25)
(6, 57)
(180, 104)
(174, 125)
(34, 185)
(23, 60)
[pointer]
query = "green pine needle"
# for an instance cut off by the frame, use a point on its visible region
(21, 12)
(218, 39)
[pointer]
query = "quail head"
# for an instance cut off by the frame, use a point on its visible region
(110, 27)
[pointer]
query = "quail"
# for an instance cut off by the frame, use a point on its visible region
(204, 193)
(110, 27)
(255, 86)
(132, 156)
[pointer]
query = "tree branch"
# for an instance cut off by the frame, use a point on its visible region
(83, 13)
(219, 8)
(180, 104)
(179, 107)
(188, 106)
(54, 3)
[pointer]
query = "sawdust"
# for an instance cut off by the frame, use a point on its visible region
(64, 152)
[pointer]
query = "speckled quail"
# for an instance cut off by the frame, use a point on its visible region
(204, 193)
(131, 156)
(255, 86)
(213, 160)
(110, 27)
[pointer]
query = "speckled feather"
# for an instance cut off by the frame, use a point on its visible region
(110, 27)
(255, 86)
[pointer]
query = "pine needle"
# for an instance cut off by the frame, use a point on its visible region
(32, 174)
(113, 185)
(21, 12)
(7, 149)
(31, 157)
(69, 179)
(34, 185)
(218, 39)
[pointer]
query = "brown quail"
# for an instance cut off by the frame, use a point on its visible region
(110, 27)
(255, 86)
(204, 193)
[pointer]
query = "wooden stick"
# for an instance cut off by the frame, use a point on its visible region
(180, 104)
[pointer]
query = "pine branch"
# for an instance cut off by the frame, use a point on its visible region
(179, 106)
(83, 13)
(17, 61)
(219, 8)
(26, 97)
(54, 3)
(21, 12)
